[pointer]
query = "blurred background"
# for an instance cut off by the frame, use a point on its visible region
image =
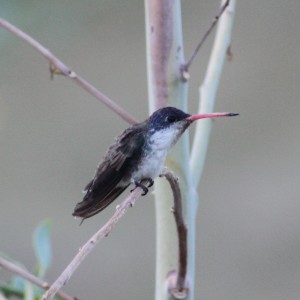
(53, 134)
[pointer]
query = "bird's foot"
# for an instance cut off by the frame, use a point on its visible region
(143, 187)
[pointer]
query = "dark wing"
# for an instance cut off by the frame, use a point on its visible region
(113, 173)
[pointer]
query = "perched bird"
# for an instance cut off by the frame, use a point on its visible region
(139, 153)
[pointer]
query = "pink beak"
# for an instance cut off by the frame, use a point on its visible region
(210, 115)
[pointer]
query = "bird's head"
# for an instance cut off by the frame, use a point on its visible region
(168, 123)
(171, 116)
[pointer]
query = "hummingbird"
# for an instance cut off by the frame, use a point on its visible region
(138, 154)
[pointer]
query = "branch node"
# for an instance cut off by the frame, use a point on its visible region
(45, 285)
(54, 70)
(72, 74)
(173, 289)
(184, 72)
(229, 54)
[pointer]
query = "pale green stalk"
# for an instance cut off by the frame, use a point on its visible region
(209, 89)
(164, 58)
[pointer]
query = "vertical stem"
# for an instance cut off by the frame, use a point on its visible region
(165, 87)
(164, 54)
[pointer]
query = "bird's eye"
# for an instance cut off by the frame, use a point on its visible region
(170, 119)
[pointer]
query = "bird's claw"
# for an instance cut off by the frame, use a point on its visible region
(151, 182)
(143, 187)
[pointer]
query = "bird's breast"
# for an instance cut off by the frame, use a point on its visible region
(158, 145)
(151, 165)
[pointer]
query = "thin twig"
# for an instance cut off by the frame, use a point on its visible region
(186, 66)
(92, 242)
(8, 265)
(180, 290)
(58, 67)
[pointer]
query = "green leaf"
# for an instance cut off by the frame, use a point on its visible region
(14, 288)
(8, 292)
(42, 247)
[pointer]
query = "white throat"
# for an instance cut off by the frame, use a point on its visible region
(160, 143)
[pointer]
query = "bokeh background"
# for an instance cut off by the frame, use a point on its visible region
(52, 135)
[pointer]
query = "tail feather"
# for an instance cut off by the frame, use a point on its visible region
(91, 204)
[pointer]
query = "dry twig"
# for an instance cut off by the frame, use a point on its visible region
(180, 289)
(10, 266)
(92, 242)
(58, 67)
(186, 66)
